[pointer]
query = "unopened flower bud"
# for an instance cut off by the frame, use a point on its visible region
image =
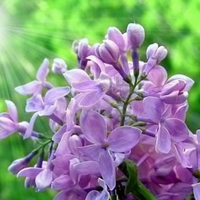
(83, 48)
(155, 52)
(21, 163)
(135, 35)
(116, 36)
(161, 53)
(59, 66)
(108, 52)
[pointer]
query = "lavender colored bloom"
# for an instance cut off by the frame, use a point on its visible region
(21, 163)
(116, 36)
(94, 194)
(135, 35)
(91, 91)
(121, 139)
(154, 55)
(59, 66)
(8, 121)
(37, 85)
(168, 129)
(45, 107)
(96, 150)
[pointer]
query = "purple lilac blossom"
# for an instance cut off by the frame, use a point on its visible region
(112, 110)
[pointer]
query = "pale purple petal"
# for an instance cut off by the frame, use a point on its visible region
(107, 169)
(44, 179)
(154, 108)
(99, 62)
(34, 104)
(55, 93)
(4, 134)
(196, 190)
(63, 182)
(163, 140)
(76, 76)
(12, 110)
(43, 71)
(58, 135)
(7, 124)
(29, 88)
(177, 129)
(90, 99)
(124, 138)
(157, 75)
(87, 167)
(189, 81)
(89, 122)
(31, 172)
(29, 130)
(94, 194)
(91, 151)
(85, 86)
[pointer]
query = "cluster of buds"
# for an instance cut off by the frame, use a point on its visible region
(116, 130)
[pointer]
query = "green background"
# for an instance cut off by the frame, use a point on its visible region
(33, 30)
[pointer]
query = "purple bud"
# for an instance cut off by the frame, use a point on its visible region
(135, 35)
(161, 53)
(108, 52)
(116, 36)
(21, 163)
(59, 66)
(155, 52)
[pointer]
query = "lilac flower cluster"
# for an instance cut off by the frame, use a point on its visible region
(117, 129)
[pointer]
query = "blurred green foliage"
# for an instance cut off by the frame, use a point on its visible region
(34, 29)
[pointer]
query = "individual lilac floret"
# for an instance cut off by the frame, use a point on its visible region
(135, 35)
(21, 163)
(91, 91)
(8, 121)
(167, 128)
(37, 85)
(103, 146)
(94, 194)
(116, 36)
(59, 66)
(154, 55)
(108, 52)
(45, 107)
(82, 49)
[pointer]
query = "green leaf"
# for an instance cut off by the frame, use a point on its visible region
(129, 169)
(134, 186)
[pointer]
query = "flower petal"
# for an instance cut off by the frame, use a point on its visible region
(76, 76)
(63, 182)
(154, 108)
(85, 86)
(12, 110)
(34, 104)
(123, 139)
(55, 93)
(91, 98)
(196, 190)
(107, 169)
(32, 87)
(31, 172)
(29, 130)
(163, 140)
(177, 129)
(87, 167)
(91, 151)
(44, 179)
(93, 126)
(43, 71)
(4, 134)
